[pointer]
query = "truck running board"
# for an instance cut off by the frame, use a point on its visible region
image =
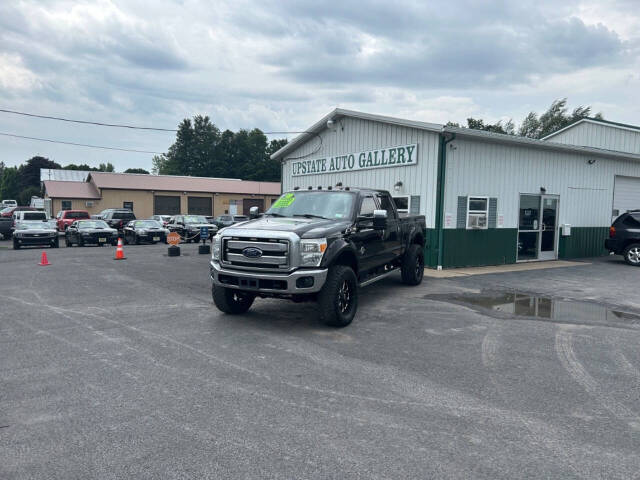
(379, 277)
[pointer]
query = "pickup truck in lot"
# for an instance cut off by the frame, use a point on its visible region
(317, 245)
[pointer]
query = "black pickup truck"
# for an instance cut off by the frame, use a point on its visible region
(317, 245)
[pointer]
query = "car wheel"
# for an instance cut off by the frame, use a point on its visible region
(56, 243)
(16, 245)
(136, 240)
(67, 242)
(413, 265)
(231, 301)
(632, 254)
(338, 299)
(80, 241)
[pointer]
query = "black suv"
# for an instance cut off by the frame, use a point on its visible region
(624, 237)
(118, 217)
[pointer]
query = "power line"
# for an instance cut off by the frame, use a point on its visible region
(85, 122)
(78, 144)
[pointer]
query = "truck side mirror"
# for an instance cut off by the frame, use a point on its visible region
(253, 212)
(379, 219)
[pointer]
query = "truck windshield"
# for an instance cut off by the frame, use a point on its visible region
(323, 204)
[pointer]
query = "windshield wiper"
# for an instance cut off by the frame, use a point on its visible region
(310, 215)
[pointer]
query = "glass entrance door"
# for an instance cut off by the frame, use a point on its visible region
(548, 230)
(537, 227)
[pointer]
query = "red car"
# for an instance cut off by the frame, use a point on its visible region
(67, 217)
(8, 211)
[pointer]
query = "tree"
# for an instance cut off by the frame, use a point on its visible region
(136, 170)
(200, 149)
(82, 166)
(10, 186)
(29, 173)
(108, 167)
(24, 197)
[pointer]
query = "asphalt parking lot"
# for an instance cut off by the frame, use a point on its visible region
(126, 370)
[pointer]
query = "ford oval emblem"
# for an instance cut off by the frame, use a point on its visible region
(252, 252)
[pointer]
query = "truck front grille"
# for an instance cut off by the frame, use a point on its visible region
(274, 253)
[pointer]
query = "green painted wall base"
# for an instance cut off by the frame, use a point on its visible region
(498, 246)
(583, 242)
(473, 248)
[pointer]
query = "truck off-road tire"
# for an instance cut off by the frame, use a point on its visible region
(232, 301)
(632, 254)
(413, 265)
(338, 299)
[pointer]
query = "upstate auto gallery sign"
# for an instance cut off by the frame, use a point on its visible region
(401, 156)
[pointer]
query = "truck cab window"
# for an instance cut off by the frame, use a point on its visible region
(385, 204)
(367, 207)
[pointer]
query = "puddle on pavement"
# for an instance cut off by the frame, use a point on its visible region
(525, 305)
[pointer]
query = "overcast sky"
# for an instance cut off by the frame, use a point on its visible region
(280, 65)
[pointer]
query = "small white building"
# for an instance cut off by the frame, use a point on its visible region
(488, 198)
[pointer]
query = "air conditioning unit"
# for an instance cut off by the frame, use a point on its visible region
(88, 204)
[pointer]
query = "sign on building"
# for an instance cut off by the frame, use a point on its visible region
(400, 156)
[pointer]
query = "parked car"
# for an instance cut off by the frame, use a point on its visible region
(188, 227)
(624, 237)
(163, 219)
(7, 221)
(118, 217)
(317, 245)
(96, 232)
(67, 217)
(8, 203)
(35, 233)
(28, 216)
(138, 231)
(222, 221)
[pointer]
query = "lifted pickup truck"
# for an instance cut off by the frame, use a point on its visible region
(316, 245)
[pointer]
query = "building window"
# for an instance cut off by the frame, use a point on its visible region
(66, 204)
(402, 204)
(128, 205)
(477, 213)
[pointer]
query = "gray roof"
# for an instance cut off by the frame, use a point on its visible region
(623, 126)
(63, 175)
(336, 113)
(479, 135)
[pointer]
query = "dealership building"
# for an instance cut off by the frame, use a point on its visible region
(150, 195)
(488, 198)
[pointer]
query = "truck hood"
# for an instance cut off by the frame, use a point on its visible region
(303, 227)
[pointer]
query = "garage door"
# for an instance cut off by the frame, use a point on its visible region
(626, 195)
(199, 206)
(166, 205)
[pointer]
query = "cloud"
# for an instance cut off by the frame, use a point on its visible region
(281, 65)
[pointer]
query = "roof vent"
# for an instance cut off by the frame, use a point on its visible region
(319, 187)
(310, 188)
(296, 188)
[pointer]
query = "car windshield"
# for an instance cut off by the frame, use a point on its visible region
(6, 210)
(147, 224)
(225, 218)
(330, 205)
(32, 226)
(34, 216)
(92, 224)
(195, 219)
(77, 215)
(240, 218)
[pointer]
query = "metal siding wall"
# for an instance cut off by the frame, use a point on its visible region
(359, 135)
(600, 136)
(502, 171)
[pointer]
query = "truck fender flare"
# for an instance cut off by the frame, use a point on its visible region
(416, 236)
(340, 249)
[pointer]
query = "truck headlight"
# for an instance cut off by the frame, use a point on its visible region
(215, 250)
(311, 251)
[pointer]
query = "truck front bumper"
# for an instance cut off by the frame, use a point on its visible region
(292, 283)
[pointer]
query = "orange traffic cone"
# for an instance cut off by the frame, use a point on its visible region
(120, 251)
(43, 260)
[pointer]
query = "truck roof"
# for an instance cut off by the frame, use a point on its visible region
(341, 189)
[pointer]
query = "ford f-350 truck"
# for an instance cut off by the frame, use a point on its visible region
(317, 245)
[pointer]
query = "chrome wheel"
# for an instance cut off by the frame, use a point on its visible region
(344, 297)
(633, 255)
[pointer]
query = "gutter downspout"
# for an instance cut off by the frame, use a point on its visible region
(442, 168)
